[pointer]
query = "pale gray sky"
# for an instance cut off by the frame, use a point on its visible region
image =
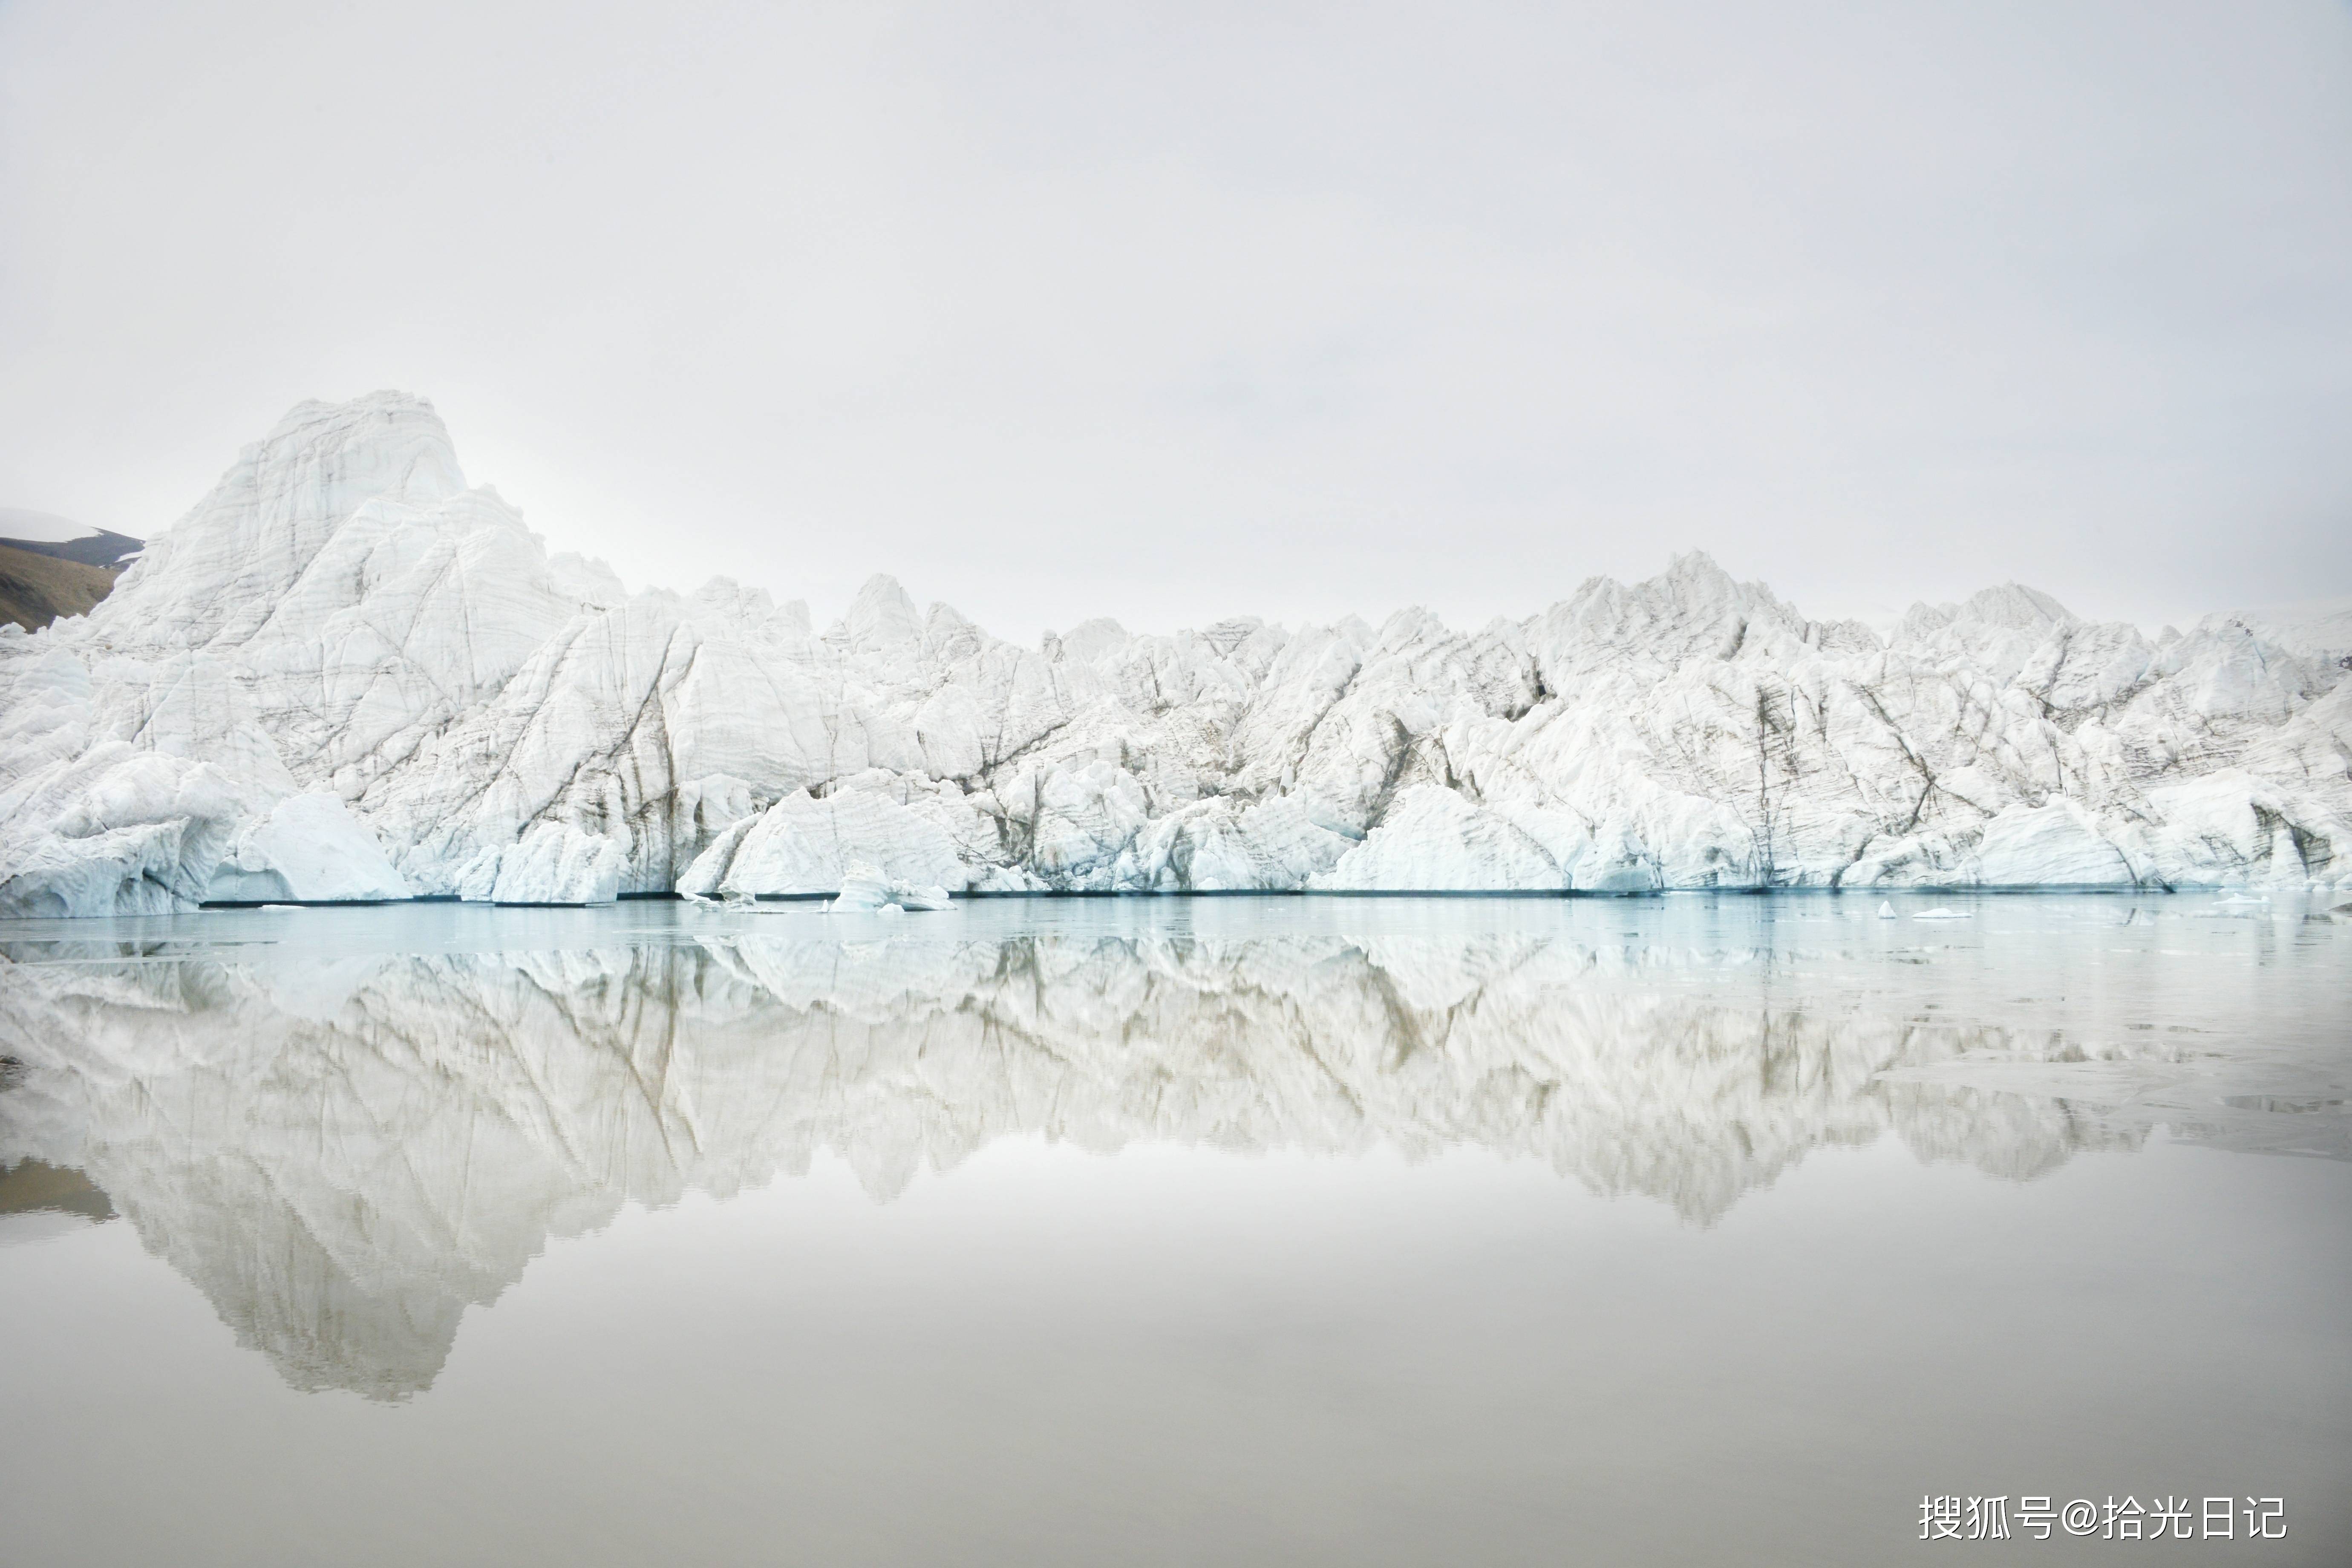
(1169, 312)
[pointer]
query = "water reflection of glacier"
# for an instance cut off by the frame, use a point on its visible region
(343, 1151)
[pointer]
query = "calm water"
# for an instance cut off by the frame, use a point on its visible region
(1225, 1230)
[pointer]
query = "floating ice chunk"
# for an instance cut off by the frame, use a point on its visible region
(1886, 910)
(865, 890)
(745, 904)
(1941, 915)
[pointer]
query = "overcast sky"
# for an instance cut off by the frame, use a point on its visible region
(1171, 312)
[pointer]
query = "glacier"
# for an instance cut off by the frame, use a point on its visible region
(348, 675)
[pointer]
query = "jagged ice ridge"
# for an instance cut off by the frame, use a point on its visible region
(347, 674)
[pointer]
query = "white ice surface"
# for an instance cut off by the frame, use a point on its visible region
(344, 617)
(865, 889)
(553, 863)
(2315, 628)
(309, 848)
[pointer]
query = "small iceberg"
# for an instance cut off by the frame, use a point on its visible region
(737, 903)
(1944, 915)
(1886, 910)
(866, 891)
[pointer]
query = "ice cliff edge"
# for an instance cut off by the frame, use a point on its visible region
(348, 675)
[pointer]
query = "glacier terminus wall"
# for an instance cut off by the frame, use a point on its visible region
(347, 674)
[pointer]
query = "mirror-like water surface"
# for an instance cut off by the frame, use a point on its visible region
(1458, 1230)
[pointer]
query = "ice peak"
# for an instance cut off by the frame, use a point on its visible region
(1693, 579)
(2016, 607)
(1697, 568)
(883, 614)
(1090, 640)
(1692, 583)
(2316, 628)
(1403, 628)
(388, 444)
(387, 400)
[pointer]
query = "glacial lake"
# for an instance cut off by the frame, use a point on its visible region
(1217, 1230)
